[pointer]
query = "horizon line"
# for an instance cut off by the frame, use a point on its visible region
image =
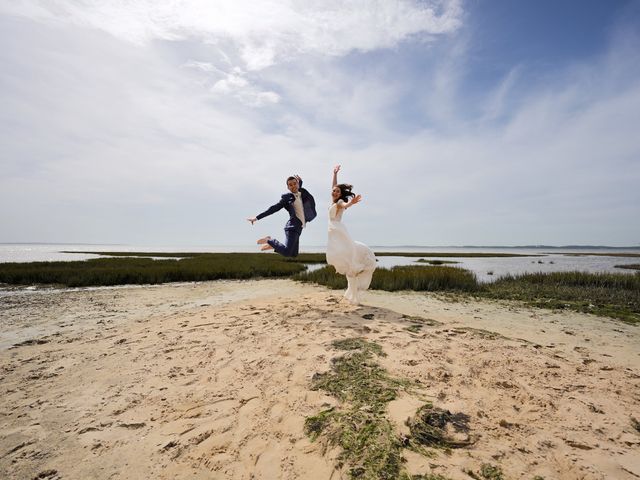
(566, 246)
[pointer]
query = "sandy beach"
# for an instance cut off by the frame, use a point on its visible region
(213, 381)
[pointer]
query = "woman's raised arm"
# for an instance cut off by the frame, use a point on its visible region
(336, 169)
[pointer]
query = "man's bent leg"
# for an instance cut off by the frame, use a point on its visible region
(290, 247)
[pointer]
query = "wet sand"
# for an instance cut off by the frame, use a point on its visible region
(213, 380)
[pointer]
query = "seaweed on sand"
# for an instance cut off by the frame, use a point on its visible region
(370, 446)
(431, 427)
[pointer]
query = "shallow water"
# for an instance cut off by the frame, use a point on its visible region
(490, 269)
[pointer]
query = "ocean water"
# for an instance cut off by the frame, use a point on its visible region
(541, 259)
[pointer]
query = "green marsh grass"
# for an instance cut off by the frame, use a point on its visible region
(413, 277)
(615, 295)
(134, 270)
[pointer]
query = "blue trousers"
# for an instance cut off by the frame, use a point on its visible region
(292, 232)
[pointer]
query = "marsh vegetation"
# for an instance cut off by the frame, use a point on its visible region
(139, 268)
(615, 295)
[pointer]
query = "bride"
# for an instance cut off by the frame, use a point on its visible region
(350, 258)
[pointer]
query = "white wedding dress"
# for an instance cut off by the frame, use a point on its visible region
(350, 258)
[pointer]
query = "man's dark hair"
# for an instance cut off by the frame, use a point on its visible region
(291, 178)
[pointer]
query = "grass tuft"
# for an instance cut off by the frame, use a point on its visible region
(414, 328)
(487, 472)
(358, 343)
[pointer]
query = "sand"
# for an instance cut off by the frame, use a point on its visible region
(213, 380)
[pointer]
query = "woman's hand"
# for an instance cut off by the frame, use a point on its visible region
(336, 169)
(353, 201)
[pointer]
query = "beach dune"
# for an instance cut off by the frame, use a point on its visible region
(214, 380)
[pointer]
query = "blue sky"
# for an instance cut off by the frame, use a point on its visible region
(461, 122)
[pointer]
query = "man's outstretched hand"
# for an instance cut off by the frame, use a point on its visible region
(252, 220)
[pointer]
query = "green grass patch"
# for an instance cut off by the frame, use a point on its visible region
(132, 270)
(371, 449)
(419, 278)
(487, 472)
(356, 379)
(616, 295)
(414, 328)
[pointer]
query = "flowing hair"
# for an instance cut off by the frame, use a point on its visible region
(345, 192)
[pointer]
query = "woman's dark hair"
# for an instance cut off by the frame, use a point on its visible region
(345, 192)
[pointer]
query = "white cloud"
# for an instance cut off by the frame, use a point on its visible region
(203, 66)
(496, 102)
(250, 36)
(265, 32)
(230, 83)
(237, 85)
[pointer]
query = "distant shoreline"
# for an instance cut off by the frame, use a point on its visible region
(213, 247)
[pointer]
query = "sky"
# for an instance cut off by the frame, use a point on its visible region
(461, 122)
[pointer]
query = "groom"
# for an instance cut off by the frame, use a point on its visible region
(302, 209)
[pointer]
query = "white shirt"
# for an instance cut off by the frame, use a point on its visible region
(297, 206)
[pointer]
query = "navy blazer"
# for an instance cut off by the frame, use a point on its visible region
(286, 202)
